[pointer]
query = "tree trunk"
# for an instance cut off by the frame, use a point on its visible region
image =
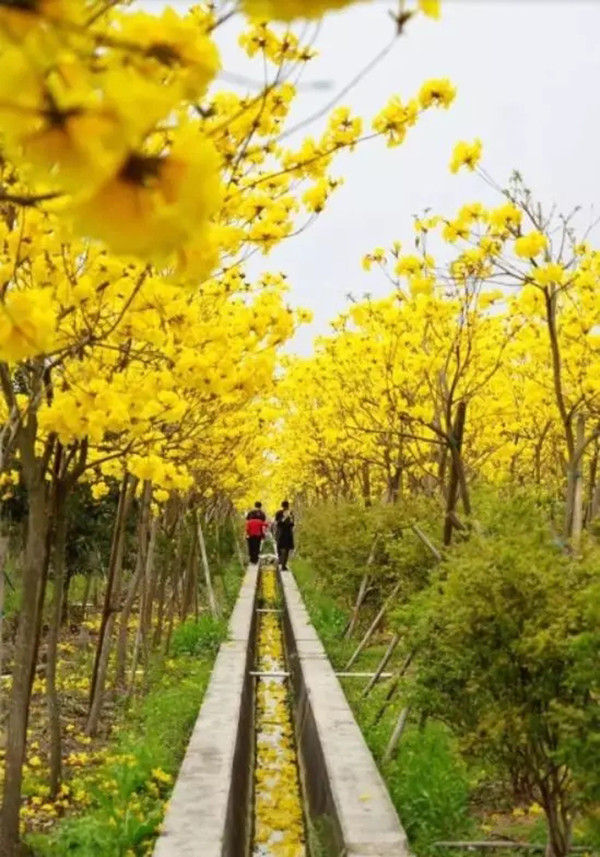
(559, 825)
(58, 565)
(108, 613)
(591, 492)
(147, 594)
(3, 555)
(366, 483)
(190, 577)
(574, 496)
(134, 584)
(123, 638)
(25, 653)
(455, 474)
(86, 595)
(170, 622)
(162, 586)
(64, 610)
(141, 636)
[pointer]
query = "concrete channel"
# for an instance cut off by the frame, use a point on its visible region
(347, 809)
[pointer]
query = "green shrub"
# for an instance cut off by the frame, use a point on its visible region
(199, 637)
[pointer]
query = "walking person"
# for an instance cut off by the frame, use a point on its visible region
(284, 534)
(256, 512)
(256, 527)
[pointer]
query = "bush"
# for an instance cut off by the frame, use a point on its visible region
(504, 659)
(199, 637)
(341, 538)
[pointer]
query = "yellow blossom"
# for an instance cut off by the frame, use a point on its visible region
(531, 245)
(437, 93)
(431, 8)
(466, 155)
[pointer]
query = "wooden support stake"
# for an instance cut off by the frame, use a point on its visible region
(393, 688)
(362, 592)
(209, 587)
(374, 625)
(428, 544)
(382, 665)
(396, 735)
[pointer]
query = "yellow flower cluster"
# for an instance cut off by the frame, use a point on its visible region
(380, 387)
(279, 821)
(466, 155)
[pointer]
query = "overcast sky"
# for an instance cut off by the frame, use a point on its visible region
(527, 74)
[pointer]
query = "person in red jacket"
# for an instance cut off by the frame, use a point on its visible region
(256, 527)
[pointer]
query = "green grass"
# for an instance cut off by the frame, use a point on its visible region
(428, 782)
(123, 799)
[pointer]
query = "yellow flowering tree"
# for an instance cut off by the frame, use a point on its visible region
(133, 350)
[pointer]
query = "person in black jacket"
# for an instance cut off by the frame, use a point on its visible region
(284, 534)
(257, 512)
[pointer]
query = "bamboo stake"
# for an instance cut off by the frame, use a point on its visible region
(393, 688)
(382, 665)
(209, 587)
(361, 592)
(396, 735)
(374, 625)
(428, 544)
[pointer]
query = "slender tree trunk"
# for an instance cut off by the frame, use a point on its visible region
(190, 576)
(366, 483)
(577, 479)
(108, 613)
(559, 824)
(58, 565)
(86, 595)
(123, 638)
(25, 652)
(170, 622)
(162, 586)
(456, 440)
(147, 594)
(152, 576)
(134, 585)
(3, 555)
(64, 610)
(591, 492)
(141, 636)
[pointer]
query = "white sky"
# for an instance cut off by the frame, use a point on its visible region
(527, 73)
